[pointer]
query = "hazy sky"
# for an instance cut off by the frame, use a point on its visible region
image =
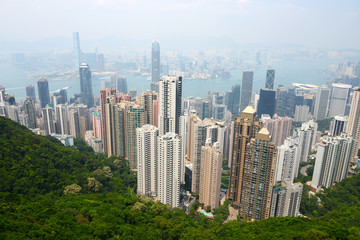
(313, 23)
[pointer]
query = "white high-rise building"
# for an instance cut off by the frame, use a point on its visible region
(339, 99)
(169, 104)
(353, 125)
(147, 162)
(286, 199)
(183, 128)
(62, 119)
(321, 103)
(306, 139)
(169, 158)
(332, 161)
(338, 125)
(287, 164)
(301, 113)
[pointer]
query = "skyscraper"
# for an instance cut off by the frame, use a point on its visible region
(339, 99)
(246, 91)
(353, 126)
(267, 102)
(307, 139)
(169, 157)
(30, 92)
(270, 79)
(279, 128)
(146, 100)
(104, 94)
(301, 113)
(321, 103)
(338, 125)
(288, 160)
(170, 90)
(155, 62)
(43, 90)
(120, 84)
(147, 161)
(29, 110)
(76, 50)
(246, 127)
(87, 97)
(332, 161)
(258, 177)
(48, 120)
(210, 178)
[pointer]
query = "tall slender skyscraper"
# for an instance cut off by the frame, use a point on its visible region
(104, 94)
(210, 178)
(155, 62)
(169, 157)
(270, 79)
(87, 97)
(246, 90)
(76, 50)
(29, 109)
(353, 125)
(170, 90)
(30, 92)
(339, 98)
(44, 94)
(321, 103)
(286, 199)
(147, 163)
(146, 100)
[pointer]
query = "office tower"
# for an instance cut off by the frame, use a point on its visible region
(285, 104)
(287, 163)
(147, 160)
(43, 90)
(270, 79)
(338, 125)
(87, 97)
(100, 62)
(170, 90)
(121, 84)
(255, 100)
(332, 161)
(60, 96)
(228, 136)
(353, 125)
(307, 139)
(29, 109)
(61, 119)
(106, 84)
(210, 179)
(134, 117)
(246, 91)
(301, 113)
(156, 112)
(30, 92)
(321, 103)
(169, 157)
(233, 100)
(286, 199)
(245, 128)
(218, 106)
(279, 128)
(13, 112)
(146, 100)
(266, 103)
(155, 62)
(339, 99)
(104, 94)
(183, 130)
(257, 178)
(48, 120)
(133, 94)
(76, 50)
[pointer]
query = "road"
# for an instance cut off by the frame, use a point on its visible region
(303, 169)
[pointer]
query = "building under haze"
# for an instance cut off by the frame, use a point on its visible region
(43, 90)
(267, 102)
(353, 125)
(246, 89)
(77, 55)
(155, 62)
(30, 92)
(87, 97)
(339, 98)
(270, 79)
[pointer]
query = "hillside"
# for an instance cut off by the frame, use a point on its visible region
(48, 191)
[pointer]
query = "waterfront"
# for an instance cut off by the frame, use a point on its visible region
(14, 79)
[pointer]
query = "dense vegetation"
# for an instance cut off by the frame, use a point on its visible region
(48, 191)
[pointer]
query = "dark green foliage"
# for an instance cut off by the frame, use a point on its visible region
(34, 172)
(324, 125)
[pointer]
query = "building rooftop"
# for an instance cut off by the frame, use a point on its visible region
(249, 109)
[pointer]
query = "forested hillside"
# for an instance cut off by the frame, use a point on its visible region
(48, 191)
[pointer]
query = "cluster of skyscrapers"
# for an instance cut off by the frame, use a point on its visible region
(178, 144)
